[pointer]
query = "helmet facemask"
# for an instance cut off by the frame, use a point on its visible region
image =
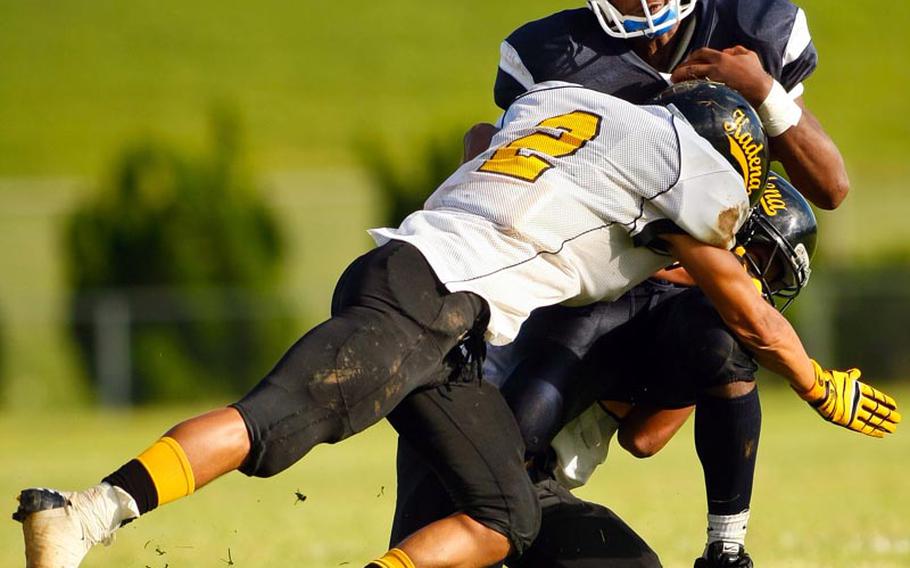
(649, 25)
(779, 238)
(782, 268)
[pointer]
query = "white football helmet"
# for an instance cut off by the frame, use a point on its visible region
(623, 26)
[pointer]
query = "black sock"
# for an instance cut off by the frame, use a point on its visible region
(726, 440)
(135, 480)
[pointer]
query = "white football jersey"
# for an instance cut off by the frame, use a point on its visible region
(567, 203)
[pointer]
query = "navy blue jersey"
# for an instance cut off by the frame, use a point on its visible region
(571, 46)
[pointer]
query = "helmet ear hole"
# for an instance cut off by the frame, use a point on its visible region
(724, 118)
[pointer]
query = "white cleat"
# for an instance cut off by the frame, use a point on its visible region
(60, 528)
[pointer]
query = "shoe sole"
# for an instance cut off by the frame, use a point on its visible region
(35, 500)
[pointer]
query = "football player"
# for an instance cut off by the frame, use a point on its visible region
(647, 373)
(633, 49)
(581, 197)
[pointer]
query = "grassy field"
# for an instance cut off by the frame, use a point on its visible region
(824, 498)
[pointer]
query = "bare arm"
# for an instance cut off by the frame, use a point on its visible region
(811, 158)
(677, 276)
(646, 430)
(770, 337)
(812, 161)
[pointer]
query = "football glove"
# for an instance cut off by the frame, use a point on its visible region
(839, 397)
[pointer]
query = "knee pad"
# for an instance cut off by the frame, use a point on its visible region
(517, 516)
(270, 454)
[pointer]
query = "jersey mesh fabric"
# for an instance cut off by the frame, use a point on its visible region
(567, 235)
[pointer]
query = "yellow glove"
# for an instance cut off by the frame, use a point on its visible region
(839, 397)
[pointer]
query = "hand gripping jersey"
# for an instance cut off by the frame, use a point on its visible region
(571, 46)
(567, 204)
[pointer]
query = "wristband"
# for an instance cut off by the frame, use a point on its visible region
(779, 112)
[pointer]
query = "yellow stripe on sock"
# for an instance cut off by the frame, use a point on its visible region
(395, 558)
(169, 469)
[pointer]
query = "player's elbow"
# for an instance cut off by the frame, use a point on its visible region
(641, 451)
(639, 444)
(836, 190)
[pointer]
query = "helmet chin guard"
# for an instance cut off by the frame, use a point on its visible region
(780, 239)
(649, 25)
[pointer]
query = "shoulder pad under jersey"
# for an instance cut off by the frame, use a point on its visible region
(571, 46)
(776, 29)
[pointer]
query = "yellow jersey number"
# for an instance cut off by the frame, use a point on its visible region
(516, 160)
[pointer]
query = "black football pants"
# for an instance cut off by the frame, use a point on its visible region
(573, 533)
(391, 328)
(396, 330)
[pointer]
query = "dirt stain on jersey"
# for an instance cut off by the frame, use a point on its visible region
(727, 222)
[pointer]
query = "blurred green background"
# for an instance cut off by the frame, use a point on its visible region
(332, 101)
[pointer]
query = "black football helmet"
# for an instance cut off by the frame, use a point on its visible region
(725, 119)
(779, 238)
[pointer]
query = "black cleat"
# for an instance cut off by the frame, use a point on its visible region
(721, 554)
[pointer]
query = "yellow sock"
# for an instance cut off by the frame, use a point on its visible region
(395, 558)
(170, 470)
